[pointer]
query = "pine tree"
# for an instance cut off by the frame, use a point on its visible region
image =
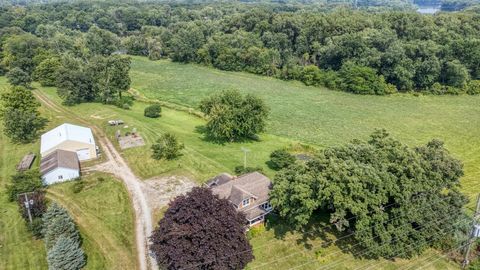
(53, 211)
(57, 222)
(60, 226)
(65, 255)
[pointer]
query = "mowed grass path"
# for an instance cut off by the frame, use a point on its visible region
(323, 117)
(102, 211)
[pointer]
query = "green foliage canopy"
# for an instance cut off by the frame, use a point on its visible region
(398, 201)
(167, 147)
(233, 117)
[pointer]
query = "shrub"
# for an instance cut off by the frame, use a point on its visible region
(78, 186)
(153, 111)
(36, 227)
(243, 170)
(473, 87)
(37, 204)
(280, 159)
(167, 147)
(22, 182)
(125, 102)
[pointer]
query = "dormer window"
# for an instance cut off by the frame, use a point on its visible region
(246, 202)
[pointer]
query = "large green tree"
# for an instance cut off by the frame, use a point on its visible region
(46, 71)
(21, 118)
(111, 76)
(398, 201)
(16, 76)
(232, 116)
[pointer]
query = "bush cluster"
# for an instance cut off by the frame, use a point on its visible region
(153, 111)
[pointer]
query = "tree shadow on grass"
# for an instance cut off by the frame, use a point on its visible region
(318, 228)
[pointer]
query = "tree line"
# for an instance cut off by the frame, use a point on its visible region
(350, 50)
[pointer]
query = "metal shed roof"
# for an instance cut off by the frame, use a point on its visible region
(66, 132)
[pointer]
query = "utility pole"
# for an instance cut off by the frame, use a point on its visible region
(27, 204)
(245, 150)
(466, 261)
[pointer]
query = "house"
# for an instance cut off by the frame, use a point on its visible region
(59, 166)
(248, 193)
(70, 138)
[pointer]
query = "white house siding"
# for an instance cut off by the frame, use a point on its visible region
(59, 175)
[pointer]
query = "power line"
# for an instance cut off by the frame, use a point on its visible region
(318, 228)
(367, 250)
(443, 256)
(332, 242)
(377, 264)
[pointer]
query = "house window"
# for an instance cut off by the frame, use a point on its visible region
(246, 202)
(60, 177)
(267, 206)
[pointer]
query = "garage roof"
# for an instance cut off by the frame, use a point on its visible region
(66, 132)
(59, 159)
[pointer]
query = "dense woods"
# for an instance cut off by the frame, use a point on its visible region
(360, 51)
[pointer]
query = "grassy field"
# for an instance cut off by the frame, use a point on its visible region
(323, 117)
(102, 211)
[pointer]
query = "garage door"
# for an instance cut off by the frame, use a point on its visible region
(83, 154)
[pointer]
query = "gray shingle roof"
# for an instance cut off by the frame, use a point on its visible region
(59, 159)
(252, 185)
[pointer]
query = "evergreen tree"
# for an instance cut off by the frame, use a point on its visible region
(65, 255)
(60, 226)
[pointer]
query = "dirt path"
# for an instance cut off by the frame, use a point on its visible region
(117, 166)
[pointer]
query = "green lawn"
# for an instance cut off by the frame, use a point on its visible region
(18, 249)
(323, 117)
(104, 216)
(102, 212)
(200, 159)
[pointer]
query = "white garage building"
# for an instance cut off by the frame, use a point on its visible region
(70, 138)
(59, 166)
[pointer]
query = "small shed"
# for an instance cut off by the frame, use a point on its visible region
(476, 231)
(59, 166)
(26, 162)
